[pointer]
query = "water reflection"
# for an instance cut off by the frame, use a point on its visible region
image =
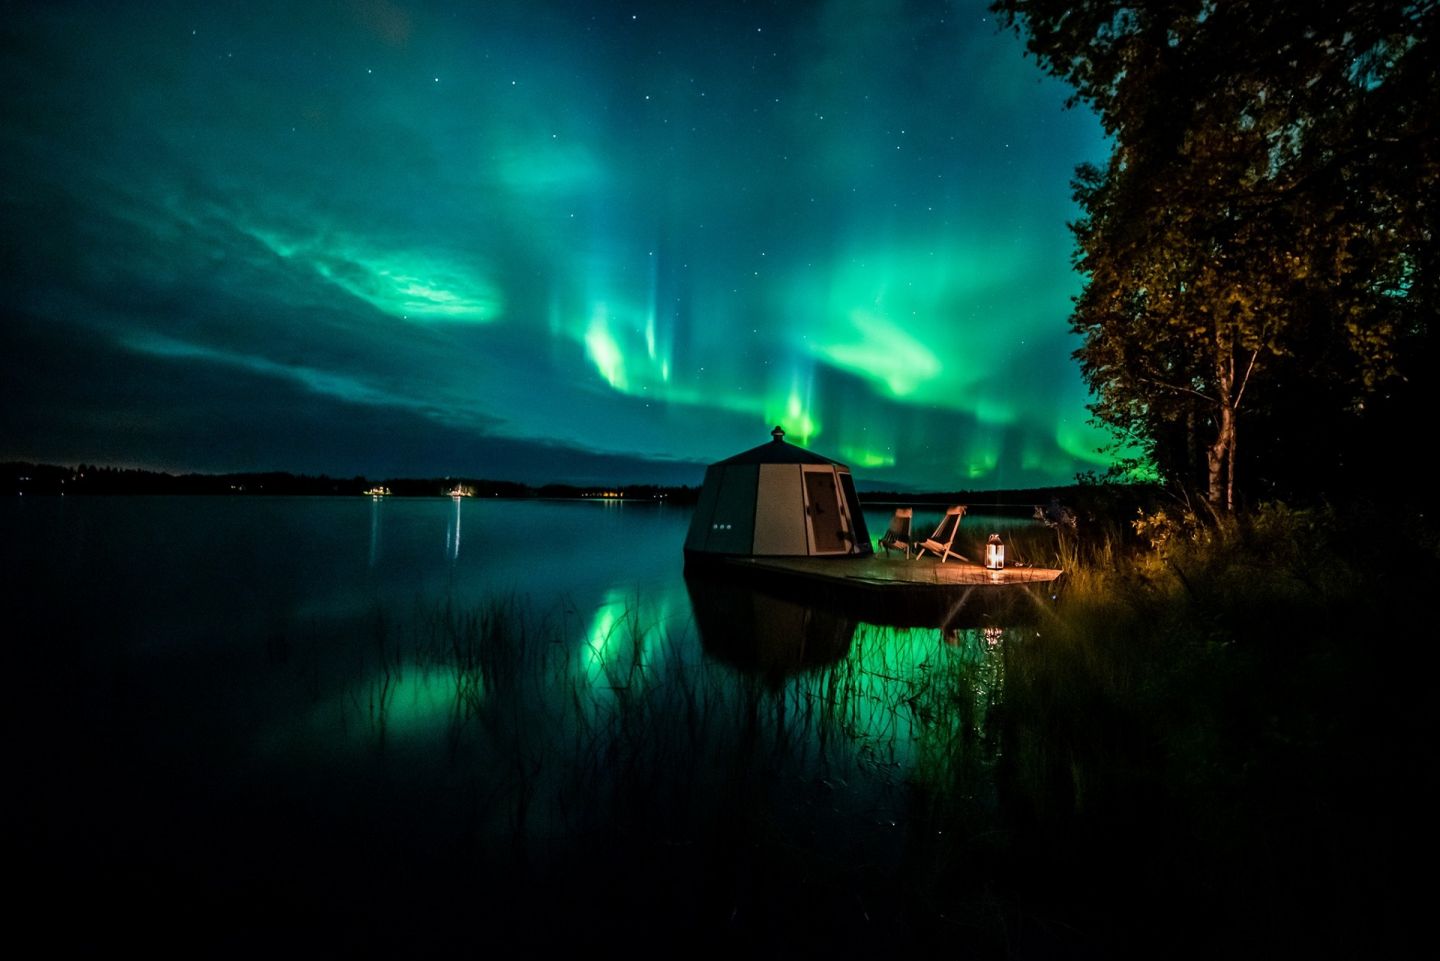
(287, 707)
(763, 634)
(452, 533)
(625, 643)
(540, 703)
(901, 699)
(375, 503)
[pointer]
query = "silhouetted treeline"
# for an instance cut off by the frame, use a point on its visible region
(1086, 499)
(50, 479)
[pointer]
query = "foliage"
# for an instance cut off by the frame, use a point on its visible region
(1259, 246)
(1162, 529)
(1274, 548)
(1055, 515)
(1211, 716)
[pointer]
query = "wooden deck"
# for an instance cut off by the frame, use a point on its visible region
(893, 590)
(897, 573)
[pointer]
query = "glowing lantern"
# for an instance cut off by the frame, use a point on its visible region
(994, 553)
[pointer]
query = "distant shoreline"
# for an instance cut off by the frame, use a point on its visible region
(21, 478)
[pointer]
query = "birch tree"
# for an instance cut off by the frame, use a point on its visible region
(1265, 221)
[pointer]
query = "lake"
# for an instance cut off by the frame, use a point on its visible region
(361, 727)
(313, 710)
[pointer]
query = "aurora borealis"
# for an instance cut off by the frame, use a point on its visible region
(538, 241)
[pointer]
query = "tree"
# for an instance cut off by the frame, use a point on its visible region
(1263, 229)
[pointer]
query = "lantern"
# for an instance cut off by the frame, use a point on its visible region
(994, 553)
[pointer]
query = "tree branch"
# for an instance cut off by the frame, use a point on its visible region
(1180, 390)
(1246, 379)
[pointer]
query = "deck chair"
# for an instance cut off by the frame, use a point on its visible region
(939, 542)
(897, 535)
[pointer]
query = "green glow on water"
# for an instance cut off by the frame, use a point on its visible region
(604, 635)
(411, 704)
(418, 701)
(901, 692)
(875, 708)
(624, 644)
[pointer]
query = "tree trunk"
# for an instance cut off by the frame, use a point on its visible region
(1215, 462)
(1230, 462)
(1225, 447)
(1221, 455)
(1221, 462)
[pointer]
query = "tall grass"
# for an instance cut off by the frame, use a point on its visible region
(1211, 737)
(1185, 738)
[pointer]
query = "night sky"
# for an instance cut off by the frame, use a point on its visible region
(539, 241)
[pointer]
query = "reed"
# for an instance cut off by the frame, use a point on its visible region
(1156, 751)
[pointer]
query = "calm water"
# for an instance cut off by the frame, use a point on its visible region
(345, 727)
(383, 722)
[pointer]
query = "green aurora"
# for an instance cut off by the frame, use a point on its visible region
(541, 241)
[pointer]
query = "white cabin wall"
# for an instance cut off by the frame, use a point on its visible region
(780, 511)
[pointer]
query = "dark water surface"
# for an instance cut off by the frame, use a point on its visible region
(351, 728)
(394, 722)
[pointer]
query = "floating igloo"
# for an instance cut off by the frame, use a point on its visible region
(777, 500)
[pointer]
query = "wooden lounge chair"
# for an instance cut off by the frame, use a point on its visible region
(939, 542)
(897, 535)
